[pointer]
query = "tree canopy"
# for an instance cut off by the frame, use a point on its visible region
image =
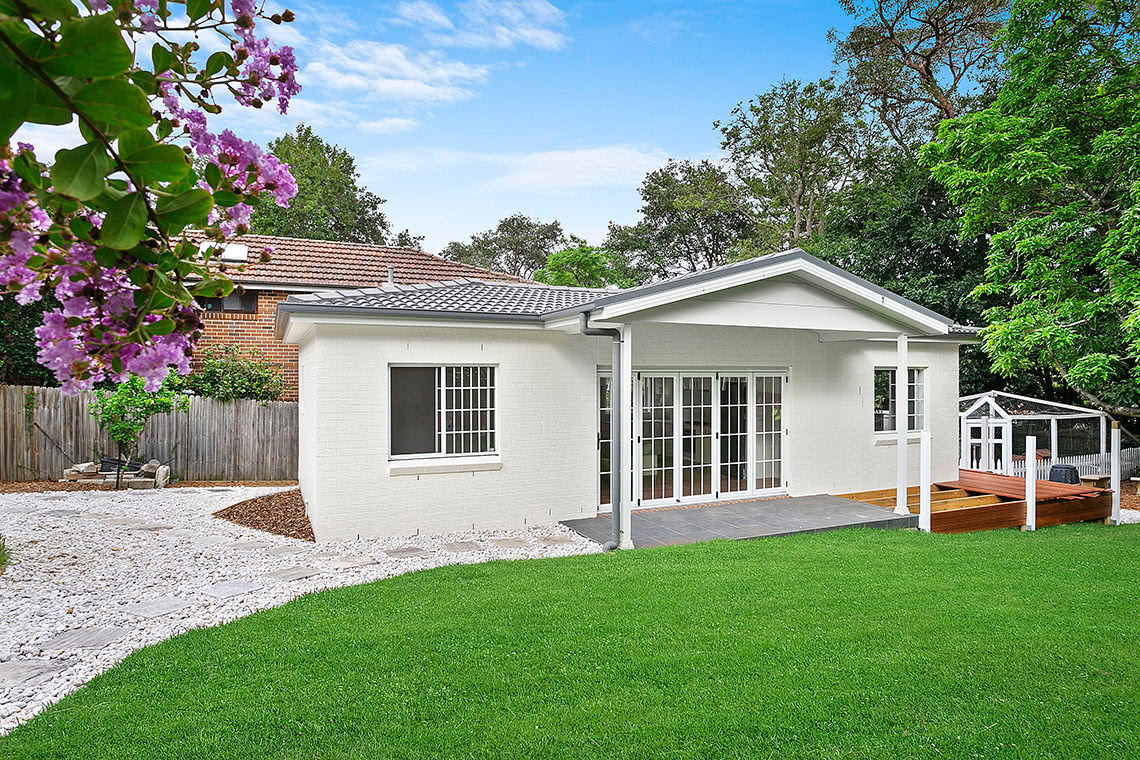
(517, 245)
(585, 266)
(1052, 172)
(330, 203)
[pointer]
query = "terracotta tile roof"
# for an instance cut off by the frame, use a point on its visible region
(330, 264)
(461, 296)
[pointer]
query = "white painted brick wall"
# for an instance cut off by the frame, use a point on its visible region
(547, 419)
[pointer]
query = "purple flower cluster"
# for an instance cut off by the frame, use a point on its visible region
(258, 58)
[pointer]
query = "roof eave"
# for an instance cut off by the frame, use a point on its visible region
(285, 308)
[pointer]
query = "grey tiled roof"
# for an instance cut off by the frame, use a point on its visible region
(462, 296)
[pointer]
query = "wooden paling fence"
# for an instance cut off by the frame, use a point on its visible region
(43, 432)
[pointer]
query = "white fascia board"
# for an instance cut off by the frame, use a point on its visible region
(296, 319)
(835, 283)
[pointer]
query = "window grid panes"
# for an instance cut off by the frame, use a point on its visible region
(657, 438)
(605, 410)
(733, 433)
(886, 404)
(468, 410)
(769, 432)
(696, 435)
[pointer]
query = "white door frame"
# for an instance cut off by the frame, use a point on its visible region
(751, 491)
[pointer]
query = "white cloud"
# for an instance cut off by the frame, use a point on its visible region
(551, 171)
(422, 13)
(391, 72)
(48, 139)
(491, 24)
(388, 126)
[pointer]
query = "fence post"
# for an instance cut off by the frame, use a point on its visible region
(924, 481)
(1030, 482)
(986, 460)
(1115, 483)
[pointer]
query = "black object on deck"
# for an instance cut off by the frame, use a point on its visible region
(1065, 473)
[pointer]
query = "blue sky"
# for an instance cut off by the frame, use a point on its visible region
(461, 113)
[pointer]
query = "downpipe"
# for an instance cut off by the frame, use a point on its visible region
(616, 438)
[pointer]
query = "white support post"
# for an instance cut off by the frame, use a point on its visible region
(1115, 483)
(986, 460)
(1103, 436)
(1030, 482)
(902, 396)
(1053, 454)
(964, 442)
(625, 537)
(924, 483)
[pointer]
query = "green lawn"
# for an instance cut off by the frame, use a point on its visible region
(852, 644)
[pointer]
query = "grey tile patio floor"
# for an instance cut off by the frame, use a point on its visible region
(747, 519)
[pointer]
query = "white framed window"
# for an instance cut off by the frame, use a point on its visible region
(442, 410)
(886, 399)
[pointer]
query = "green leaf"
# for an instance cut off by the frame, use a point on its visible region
(213, 176)
(79, 172)
(125, 222)
(81, 227)
(137, 277)
(55, 9)
(145, 80)
(133, 140)
(107, 257)
(196, 9)
(114, 105)
(216, 62)
(189, 207)
(225, 198)
(213, 288)
(162, 58)
(161, 163)
(47, 108)
(164, 326)
(90, 47)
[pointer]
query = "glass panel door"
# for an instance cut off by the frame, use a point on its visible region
(768, 452)
(605, 466)
(658, 394)
(696, 435)
(733, 434)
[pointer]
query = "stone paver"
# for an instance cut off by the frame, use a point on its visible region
(462, 546)
(293, 573)
(510, 543)
(282, 551)
(348, 563)
(20, 510)
(53, 496)
(61, 512)
(86, 638)
(245, 546)
(219, 490)
(324, 555)
(157, 607)
(27, 672)
(557, 540)
(226, 589)
(148, 526)
(405, 552)
(124, 521)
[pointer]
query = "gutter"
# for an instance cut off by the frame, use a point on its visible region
(616, 439)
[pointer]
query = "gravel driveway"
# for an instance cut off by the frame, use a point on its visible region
(95, 575)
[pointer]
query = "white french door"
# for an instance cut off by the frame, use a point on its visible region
(704, 436)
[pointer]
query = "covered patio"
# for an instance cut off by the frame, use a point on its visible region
(757, 518)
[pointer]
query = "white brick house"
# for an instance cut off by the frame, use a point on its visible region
(469, 404)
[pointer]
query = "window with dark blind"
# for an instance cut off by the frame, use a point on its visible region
(443, 410)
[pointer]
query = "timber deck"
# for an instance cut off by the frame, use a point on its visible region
(985, 501)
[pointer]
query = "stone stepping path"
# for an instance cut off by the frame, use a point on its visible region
(294, 573)
(281, 551)
(226, 589)
(325, 555)
(157, 607)
(510, 543)
(557, 540)
(243, 546)
(27, 672)
(61, 512)
(348, 563)
(132, 521)
(53, 496)
(406, 552)
(86, 638)
(147, 526)
(20, 510)
(462, 546)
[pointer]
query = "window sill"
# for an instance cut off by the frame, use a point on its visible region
(892, 439)
(433, 465)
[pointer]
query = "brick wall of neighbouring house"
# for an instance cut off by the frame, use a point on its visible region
(255, 330)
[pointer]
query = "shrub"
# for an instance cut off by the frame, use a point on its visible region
(124, 411)
(228, 373)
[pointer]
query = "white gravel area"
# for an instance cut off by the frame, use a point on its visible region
(97, 563)
(1129, 516)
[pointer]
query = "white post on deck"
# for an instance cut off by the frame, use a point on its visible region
(1103, 439)
(625, 536)
(1031, 482)
(1053, 441)
(924, 483)
(1115, 483)
(964, 442)
(986, 460)
(902, 397)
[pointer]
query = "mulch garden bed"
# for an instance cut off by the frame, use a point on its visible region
(281, 513)
(231, 483)
(33, 486)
